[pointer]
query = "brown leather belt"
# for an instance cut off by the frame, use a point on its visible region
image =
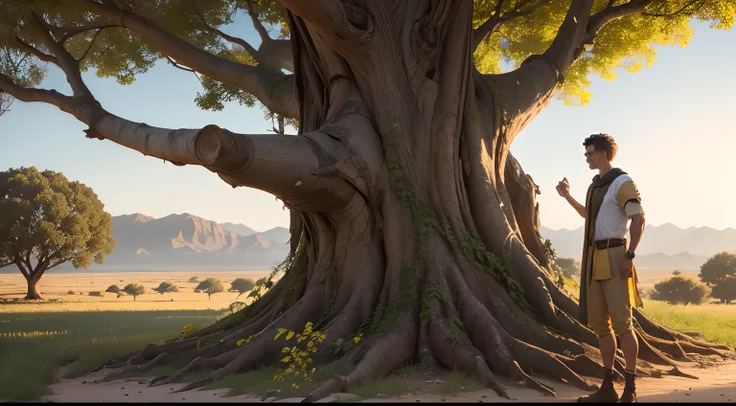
(610, 243)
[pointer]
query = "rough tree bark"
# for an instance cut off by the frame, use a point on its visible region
(411, 221)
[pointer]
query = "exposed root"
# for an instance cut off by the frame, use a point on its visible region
(586, 366)
(117, 362)
(649, 353)
(532, 383)
(197, 364)
(452, 347)
(671, 348)
(150, 364)
(676, 372)
(400, 343)
(194, 385)
(549, 363)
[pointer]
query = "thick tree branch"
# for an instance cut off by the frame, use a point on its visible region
(271, 89)
(563, 51)
(290, 167)
(23, 270)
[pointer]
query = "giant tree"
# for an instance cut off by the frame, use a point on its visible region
(411, 222)
(47, 220)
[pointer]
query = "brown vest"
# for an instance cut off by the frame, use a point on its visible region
(593, 200)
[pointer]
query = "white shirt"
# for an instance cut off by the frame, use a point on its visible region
(613, 219)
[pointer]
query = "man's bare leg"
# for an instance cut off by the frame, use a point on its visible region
(607, 345)
(630, 347)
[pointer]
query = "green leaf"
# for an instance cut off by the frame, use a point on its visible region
(279, 333)
(290, 335)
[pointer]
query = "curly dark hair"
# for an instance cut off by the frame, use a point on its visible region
(603, 142)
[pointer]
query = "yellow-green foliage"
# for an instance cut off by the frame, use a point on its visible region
(186, 331)
(297, 359)
(627, 42)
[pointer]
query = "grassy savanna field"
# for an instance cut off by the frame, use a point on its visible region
(55, 286)
(37, 339)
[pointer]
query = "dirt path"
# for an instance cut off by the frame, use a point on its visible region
(716, 384)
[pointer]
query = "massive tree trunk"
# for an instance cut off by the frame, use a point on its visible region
(411, 222)
(32, 293)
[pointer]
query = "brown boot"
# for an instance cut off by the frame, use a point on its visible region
(606, 393)
(629, 395)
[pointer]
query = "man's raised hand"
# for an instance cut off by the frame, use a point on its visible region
(563, 188)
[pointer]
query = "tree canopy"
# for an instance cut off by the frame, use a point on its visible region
(134, 290)
(241, 285)
(114, 289)
(680, 290)
(47, 220)
(166, 287)
(719, 272)
(209, 286)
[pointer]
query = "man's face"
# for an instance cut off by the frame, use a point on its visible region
(594, 158)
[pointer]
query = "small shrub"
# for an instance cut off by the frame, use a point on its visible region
(187, 331)
(298, 360)
(241, 285)
(69, 292)
(680, 290)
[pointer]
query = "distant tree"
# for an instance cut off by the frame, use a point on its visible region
(676, 273)
(47, 220)
(569, 266)
(680, 290)
(241, 285)
(725, 290)
(114, 289)
(134, 290)
(166, 287)
(719, 272)
(261, 281)
(193, 279)
(209, 286)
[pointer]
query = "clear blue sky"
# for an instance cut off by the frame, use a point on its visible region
(673, 123)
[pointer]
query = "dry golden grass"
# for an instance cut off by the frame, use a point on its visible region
(56, 286)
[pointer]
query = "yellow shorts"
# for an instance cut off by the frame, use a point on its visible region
(610, 298)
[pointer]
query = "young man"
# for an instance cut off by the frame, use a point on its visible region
(608, 279)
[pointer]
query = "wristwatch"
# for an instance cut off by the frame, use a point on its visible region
(630, 254)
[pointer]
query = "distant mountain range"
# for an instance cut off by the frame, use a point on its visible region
(180, 241)
(664, 247)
